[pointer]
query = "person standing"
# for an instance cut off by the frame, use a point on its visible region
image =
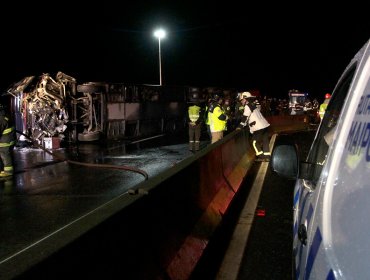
(7, 142)
(206, 119)
(226, 107)
(258, 126)
(195, 119)
(324, 105)
(239, 110)
(217, 118)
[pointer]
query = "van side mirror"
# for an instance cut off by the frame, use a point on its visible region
(285, 161)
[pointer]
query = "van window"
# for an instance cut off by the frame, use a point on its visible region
(324, 137)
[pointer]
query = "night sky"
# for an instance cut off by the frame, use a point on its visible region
(272, 48)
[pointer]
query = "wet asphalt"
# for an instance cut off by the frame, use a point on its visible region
(268, 252)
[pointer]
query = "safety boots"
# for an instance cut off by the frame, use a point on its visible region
(191, 146)
(194, 146)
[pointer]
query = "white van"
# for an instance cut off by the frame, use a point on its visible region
(332, 192)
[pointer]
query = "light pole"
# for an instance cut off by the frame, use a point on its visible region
(160, 33)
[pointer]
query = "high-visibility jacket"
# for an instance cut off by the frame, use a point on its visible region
(7, 132)
(323, 107)
(253, 118)
(194, 113)
(217, 118)
(206, 116)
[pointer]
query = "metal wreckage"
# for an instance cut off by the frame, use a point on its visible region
(46, 107)
(59, 107)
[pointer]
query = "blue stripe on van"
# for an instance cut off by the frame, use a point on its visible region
(295, 207)
(295, 228)
(304, 200)
(313, 252)
(296, 197)
(331, 275)
(308, 219)
(309, 215)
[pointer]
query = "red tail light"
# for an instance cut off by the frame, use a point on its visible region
(260, 213)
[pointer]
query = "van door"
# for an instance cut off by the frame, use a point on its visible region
(308, 204)
(342, 210)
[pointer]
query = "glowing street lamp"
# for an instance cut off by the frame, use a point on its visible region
(160, 33)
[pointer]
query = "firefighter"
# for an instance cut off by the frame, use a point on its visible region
(258, 126)
(227, 107)
(195, 119)
(217, 117)
(239, 110)
(324, 105)
(205, 117)
(7, 141)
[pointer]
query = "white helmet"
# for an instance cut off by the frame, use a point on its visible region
(245, 94)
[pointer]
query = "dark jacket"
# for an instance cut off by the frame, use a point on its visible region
(7, 132)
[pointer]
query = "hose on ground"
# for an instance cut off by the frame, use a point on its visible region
(110, 166)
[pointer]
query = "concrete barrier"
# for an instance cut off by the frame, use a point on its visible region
(161, 230)
(221, 173)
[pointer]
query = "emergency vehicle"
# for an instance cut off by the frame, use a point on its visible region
(332, 190)
(297, 102)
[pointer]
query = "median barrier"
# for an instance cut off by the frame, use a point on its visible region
(160, 229)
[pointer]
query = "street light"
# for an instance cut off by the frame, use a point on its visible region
(160, 33)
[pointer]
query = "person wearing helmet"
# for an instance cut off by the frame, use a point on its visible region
(195, 120)
(7, 141)
(217, 96)
(324, 105)
(217, 117)
(258, 126)
(205, 116)
(239, 110)
(228, 109)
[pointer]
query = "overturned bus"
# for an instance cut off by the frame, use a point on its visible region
(60, 107)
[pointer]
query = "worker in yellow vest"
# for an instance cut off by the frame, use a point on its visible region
(205, 116)
(217, 117)
(324, 105)
(195, 120)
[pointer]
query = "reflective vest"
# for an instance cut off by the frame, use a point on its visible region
(217, 118)
(7, 137)
(206, 118)
(193, 112)
(323, 107)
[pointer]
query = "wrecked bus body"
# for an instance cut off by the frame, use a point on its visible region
(59, 107)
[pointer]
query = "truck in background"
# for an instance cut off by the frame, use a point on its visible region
(297, 102)
(300, 103)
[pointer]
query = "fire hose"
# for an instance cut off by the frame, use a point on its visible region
(110, 166)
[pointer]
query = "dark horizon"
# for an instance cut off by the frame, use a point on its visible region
(205, 46)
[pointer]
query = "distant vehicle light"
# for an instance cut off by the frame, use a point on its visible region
(260, 212)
